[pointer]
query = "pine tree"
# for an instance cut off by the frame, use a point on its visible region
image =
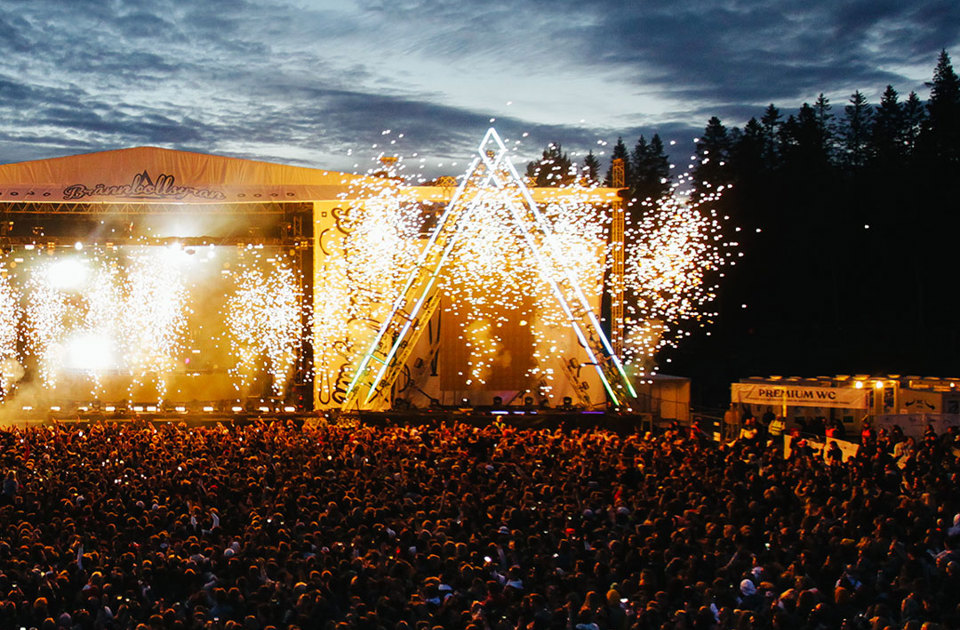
(746, 153)
(887, 135)
(943, 124)
(749, 173)
(803, 143)
(859, 119)
(825, 128)
(638, 161)
(712, 150)
(659, 168)
(914, 120)
(553, 168)
(650, 169)
(788, 139)
(771, 133)
(591, 168)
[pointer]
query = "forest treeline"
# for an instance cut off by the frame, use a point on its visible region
(850, 229)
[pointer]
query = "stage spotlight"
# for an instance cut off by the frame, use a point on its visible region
(89, 352)
(67, 274)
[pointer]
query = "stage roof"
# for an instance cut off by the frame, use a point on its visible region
(156, 175)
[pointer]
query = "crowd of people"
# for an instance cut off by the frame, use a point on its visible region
(277, 525)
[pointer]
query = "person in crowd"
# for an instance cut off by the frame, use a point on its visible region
(276, 525)
(10, 488)
(768, 416)
(731, 421)
(750, 433)
(836, 429)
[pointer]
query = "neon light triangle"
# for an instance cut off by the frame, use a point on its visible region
(420, 297)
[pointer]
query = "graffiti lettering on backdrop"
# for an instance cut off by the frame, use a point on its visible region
(142, 187)
(365, 254)
(346, 317)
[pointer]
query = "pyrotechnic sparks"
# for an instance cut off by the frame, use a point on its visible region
(46, 311)
(672, 255)
(154, 310)
(92, 348)
(9, 319)
(579, 232)
(382, 241)
(80, 311)
(123, 316)
(264, 320)
(494, 276)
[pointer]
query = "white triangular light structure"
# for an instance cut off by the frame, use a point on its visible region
(491, 168)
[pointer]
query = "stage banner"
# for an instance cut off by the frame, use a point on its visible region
(798, 396)
(165, 176)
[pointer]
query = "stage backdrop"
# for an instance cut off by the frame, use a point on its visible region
(350, 304)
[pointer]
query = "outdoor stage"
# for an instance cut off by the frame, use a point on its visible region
(147, 282)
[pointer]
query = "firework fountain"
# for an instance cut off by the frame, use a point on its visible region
(123, 322)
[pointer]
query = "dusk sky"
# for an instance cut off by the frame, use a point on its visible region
(317, 83)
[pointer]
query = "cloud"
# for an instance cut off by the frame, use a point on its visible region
(320, 78)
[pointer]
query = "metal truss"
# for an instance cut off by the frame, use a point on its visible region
(72, 209)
